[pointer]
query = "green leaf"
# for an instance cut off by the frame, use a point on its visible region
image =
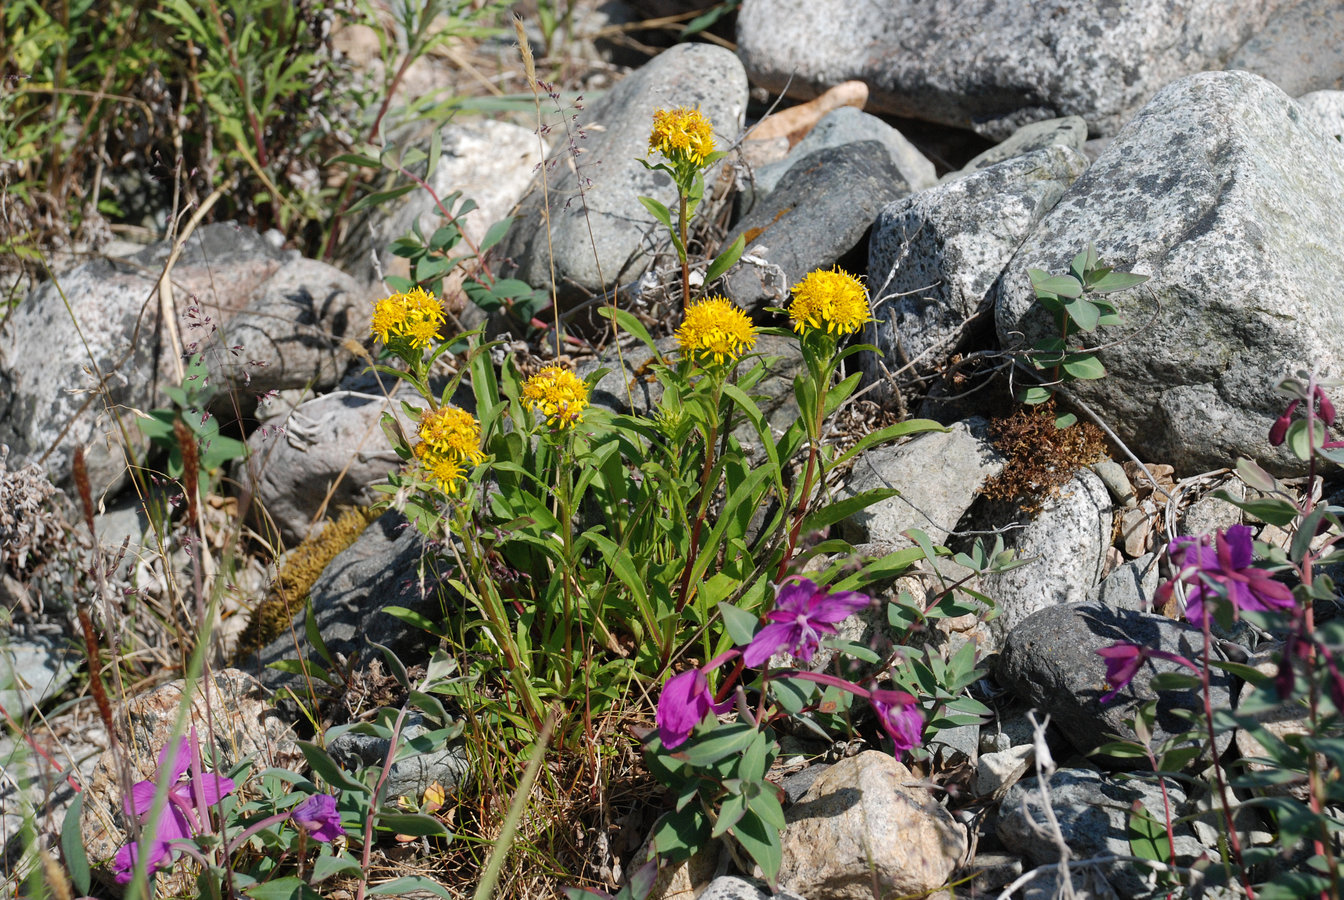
(1147, 836)
(411, 617)
(660, 212)
(416, 824)
(884, 435)
(495, 233)
(732, 809)
(1084, 366)
(394, 666)
(285, 888)
(1083, 313)
(72, 845)
(678, 835)
(761, 841)
(326, 768)
(629, 323)
(327, 866)
(1036, 395)
(1256, 477)
(843, 509)
(740, 624)
(380, 197)
(1117, 281)
(408, 884)
(1059, 285)
(1065, 420)
(1272, 510)
(1174, 681)
(725, 260)
(722, 742)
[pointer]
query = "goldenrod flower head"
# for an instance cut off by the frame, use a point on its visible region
(444, 470)
(682, 135)
(415, 315)
(451, 433)
(834, 300)
(715, 327)
(558, 394)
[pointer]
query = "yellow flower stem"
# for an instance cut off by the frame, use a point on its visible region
(490, 603)
(702, 508)
(822, 377)
(685, 252)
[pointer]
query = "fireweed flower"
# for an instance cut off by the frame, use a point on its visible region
(1223, 570)
(451, 433)
(558, 394)
(317, 815)
(900, 716)
(178, 818)
(715, 328)
(833, 301)
(684, 703)
(684, 135)
(803, 613)
(414, 316)
(1123, 661)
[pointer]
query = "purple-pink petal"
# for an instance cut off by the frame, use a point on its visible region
(900, 716)
(318, 816)
(684, 702)
(769, 641)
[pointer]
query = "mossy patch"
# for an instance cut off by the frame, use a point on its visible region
(1041, 457)
(299, 571)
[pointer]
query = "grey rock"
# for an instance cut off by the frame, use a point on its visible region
(1209, 513)
(821, 209)
(934, 257)
(1225, 195)
(867, 826)
(797, 784)
(1066, 547)
(996, 772)
(380, 569)
(1093, 813)
(1301, 49)
(1326, 110)
(1070, 131)
(938, 475)
(326, 454)
(847, 125)
(421, 760)
(288, 333)
(991, 872)
(995, 65)
(491, 163)
(731, 887)
(1132, 585)
(1050, 661)
(625, 236)
(36, 663)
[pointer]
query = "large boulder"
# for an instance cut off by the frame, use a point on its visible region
(600, 234)
(1230, 199)
(993, 65)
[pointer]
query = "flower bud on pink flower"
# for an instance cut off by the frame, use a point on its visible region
(900, 716)
(1278, 432)
(1327, 409)
(318, 816)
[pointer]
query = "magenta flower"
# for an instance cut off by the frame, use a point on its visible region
(178, 818)
(684, 703)
(1224, 570)
(900, 716)
(318, 816)
(803, 612)
(1124, 660)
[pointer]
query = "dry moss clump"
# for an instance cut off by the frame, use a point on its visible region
(1041, 458)
(298, 572)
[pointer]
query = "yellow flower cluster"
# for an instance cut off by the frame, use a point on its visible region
(450, 440)
(683, 135)
(716, 328)
(835, 301)
(415, 316)
(558, 394)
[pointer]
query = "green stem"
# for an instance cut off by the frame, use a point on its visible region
(685, 262)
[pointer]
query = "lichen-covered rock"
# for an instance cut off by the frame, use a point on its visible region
(615, 128)
(934, 257)
(820, 210)
(867, 824)
(994, 65)
(1301, 49)
(1226, 196)
(1070, 131)
(1065, 545)
(1326, 109)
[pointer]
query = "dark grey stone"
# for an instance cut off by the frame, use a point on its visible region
(821, 209)
(1132, 584)
(380, 569)
(415, 770)
(1050, 661)
(1224, 193)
